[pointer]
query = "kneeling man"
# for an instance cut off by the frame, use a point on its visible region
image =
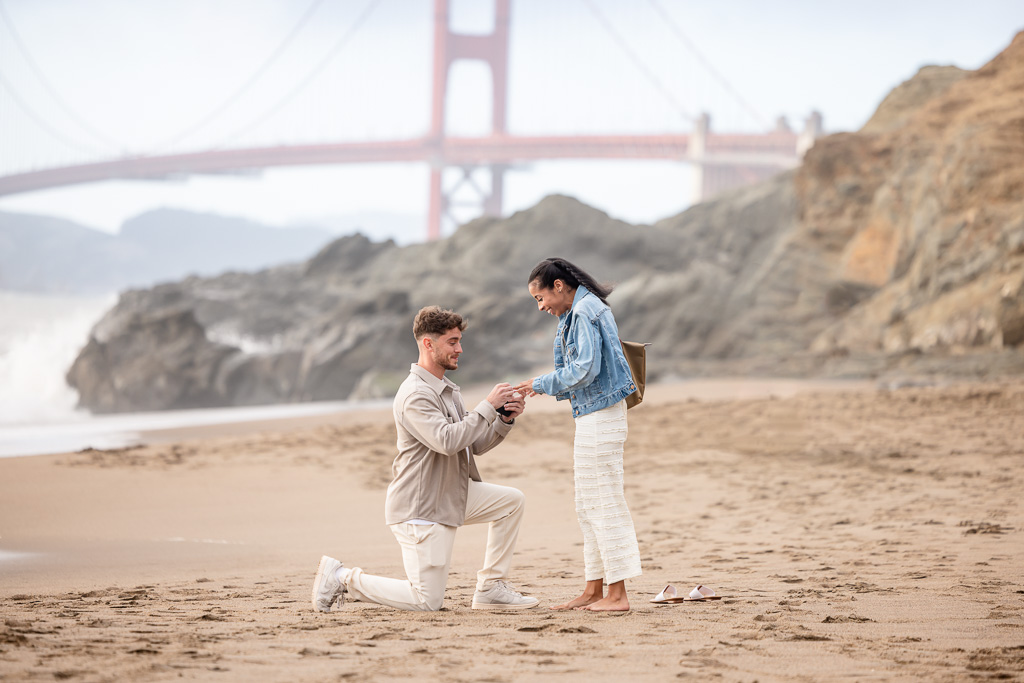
(437, 487)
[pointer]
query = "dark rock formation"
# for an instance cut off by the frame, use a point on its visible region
(340, 325)
(168, 347)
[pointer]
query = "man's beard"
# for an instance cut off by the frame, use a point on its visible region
(447, 362)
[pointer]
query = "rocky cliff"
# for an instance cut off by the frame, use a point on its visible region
(930, 218)
(899, 248)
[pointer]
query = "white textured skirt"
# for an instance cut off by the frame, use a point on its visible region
(610, 550)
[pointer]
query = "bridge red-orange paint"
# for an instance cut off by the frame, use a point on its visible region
(771, 150)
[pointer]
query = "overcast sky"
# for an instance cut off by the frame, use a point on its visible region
(84, 80)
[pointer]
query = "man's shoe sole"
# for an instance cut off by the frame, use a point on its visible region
(316, 585)
(492, 605)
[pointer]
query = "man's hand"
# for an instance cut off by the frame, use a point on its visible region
(500, 394)
(515, 406)
(526, 388)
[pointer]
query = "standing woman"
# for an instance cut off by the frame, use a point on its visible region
(592, 373)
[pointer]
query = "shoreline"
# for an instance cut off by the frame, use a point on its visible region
(119, 430)
(129, 430)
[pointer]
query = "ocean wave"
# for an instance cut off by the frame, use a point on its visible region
(40, 336)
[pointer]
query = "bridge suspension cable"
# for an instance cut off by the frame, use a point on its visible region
(309, 78)
(689, 44)
(241, 90)
(637, 62)
(35, 118)
(52, 92)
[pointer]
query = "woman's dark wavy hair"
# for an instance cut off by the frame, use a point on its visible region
(550, 269)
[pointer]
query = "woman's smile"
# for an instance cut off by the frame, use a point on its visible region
(554, 300)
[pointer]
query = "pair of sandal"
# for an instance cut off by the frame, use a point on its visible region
(668, 595)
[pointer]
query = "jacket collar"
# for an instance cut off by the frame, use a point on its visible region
(581, 293)
(438, 385)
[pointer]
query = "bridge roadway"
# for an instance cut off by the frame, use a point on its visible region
(774, 150)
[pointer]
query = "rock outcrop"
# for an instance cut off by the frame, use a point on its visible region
(932, 215)
(908, 97)
(896, 248)
(340, 325)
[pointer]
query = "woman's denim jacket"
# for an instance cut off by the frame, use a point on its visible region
(590, 367)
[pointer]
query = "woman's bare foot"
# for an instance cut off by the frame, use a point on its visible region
(608, 604)
(593, 592)
(616, 601)
(579, 602)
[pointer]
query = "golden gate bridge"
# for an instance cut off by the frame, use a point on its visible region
(720, 160)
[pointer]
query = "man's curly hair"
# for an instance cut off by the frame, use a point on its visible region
(435, 321)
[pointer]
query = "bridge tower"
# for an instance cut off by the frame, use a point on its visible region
(717, 170)
(449, 47)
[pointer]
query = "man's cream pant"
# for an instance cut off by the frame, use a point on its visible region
(427, 552)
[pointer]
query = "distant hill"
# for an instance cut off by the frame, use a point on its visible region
(52, 255)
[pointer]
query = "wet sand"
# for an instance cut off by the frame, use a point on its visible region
(857, 534)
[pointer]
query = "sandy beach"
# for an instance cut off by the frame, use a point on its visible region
(857, 533)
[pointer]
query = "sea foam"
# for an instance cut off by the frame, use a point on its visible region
(40, 336)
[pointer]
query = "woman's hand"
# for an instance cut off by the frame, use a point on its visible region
(526, 388)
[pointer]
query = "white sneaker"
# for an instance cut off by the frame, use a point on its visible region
(501, 596)
(326, 587)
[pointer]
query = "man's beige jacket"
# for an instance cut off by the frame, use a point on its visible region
(437, 440)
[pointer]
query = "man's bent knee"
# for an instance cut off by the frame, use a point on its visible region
(429, 601)
(429, 594)
(517, 498)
